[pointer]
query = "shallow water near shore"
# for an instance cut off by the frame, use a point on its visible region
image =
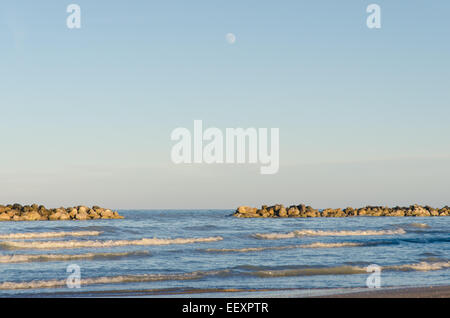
(208, 253)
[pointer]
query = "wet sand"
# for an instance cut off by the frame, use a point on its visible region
(408, 292)
(388, 292)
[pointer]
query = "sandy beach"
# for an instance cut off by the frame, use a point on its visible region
(407, 292)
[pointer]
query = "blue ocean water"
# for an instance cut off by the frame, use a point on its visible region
(187, 252)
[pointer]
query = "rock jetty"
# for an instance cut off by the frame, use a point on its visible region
(303, 211)
(17, 212)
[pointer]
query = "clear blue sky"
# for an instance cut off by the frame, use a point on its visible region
(86, 115)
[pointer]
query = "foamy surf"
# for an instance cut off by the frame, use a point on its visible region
(270, 248)
(38, 284)
(100, 244)
(331, 245)
(31, 235)
(303, 271)
(339, 270)
(422, 266)
(300, 233)
(250, 249)
(348, 270)
(26, 258)
(419, 225)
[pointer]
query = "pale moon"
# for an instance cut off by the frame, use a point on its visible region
(231, 38)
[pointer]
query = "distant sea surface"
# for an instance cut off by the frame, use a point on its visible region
(209, 253)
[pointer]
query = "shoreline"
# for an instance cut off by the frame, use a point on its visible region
(363, 292)
(397, 292)
(353, 292)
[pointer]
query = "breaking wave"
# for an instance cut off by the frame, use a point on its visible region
(38, 284)
(347, 270)
(339, 270)
(422, 266)
(110, 243)
(25, 258)
(47, 234)
(331, 245)
(419, 225)
(300, 233)
(258, 249)
(413, 225)
(250, 249)
(265, 273)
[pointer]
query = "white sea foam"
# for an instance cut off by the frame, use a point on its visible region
(258, 249)
(304, 271)
(25, 258)
(331, 245)
(300, 233)
(419, 225)
(250, 249)
(38, 284)
(339, 270)
(422, 266)
(99, 244)
(32, 235)
(347, 270)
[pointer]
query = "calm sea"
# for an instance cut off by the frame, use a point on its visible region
(209, 253)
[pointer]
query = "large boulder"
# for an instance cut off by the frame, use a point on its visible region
(82, 216)
(246, 209)
(349, 211)
(55, 216)
(94, 215)
(282, 213)
(293, 211)
(301, 208)
(64, 216)
(419, 211)
(83, 209)
(31, 216)
(4, 217)
(397, 213)
(107, 214)
(73, 212)
(434, 212)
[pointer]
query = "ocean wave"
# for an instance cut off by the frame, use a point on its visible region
(412, 225)
(268, 248)
(426, 240)
(332, 245)
(26, 258)
(206, 227)
(419, 225)
(348, 270)
(249, 249)
(422, 266)
(433, 259)
(100, 244)
(300, 233)
(32, 235)
(339, 270)
(252, 271)
(38, 284)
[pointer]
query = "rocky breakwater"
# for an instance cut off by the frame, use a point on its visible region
(17, 212)
(303, 211)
